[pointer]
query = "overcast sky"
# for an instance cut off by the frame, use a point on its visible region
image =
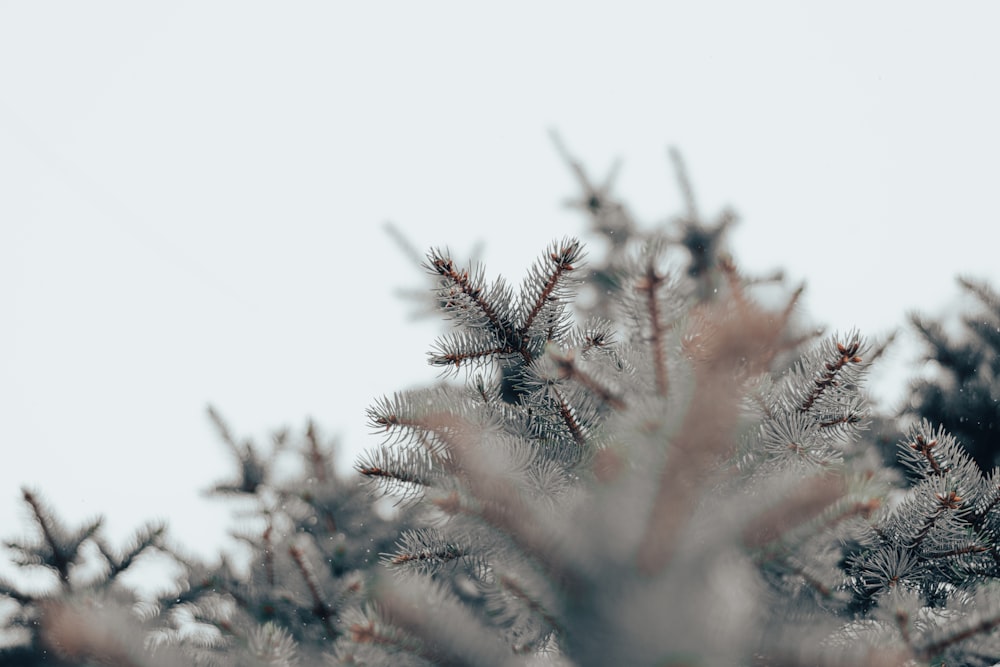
(192, 196)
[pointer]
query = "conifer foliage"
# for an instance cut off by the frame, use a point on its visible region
(594, 520)
(314, 536)
(964, 393)
(81, 577)
(647, 488)
(628, 462)
(929, 567)
(311, 535)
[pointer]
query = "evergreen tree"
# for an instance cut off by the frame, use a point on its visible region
(647, 488)
(963, 393)
(596, 518)
(641, 465)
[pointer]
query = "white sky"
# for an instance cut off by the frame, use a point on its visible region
(192, 196)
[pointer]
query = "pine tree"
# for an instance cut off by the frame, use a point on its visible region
(632, 462)
(565, 520)
(651, 487)
(559, 486)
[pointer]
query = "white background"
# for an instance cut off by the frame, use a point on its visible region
(192, 197)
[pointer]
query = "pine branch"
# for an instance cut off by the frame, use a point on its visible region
(545, 289)
(252, 469)
(321, 461)
(929, 452)
(847, 354)
(607, 215)
(814, 496)
(881, 348)
(567, 415)
(492, 497)
(960, 551)
(464, 296)
(145, 539)
(268, 554)
(11, 591)
(59, 549)
(533, 604)
(94, 634)
(707, 432)
(930, 652)
(649, 285)
(467, 347)
(320, 609)
(398, 478)
(569, 369)
(684, 184)
(982, 290)
(426, 548)
(372, 632)
(702, 242)
(452, 638)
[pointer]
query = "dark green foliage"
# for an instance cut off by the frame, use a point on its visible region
(81, 570)
(933, 559)
(318, 534)
(962, 395)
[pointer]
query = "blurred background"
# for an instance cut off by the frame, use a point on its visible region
(193, 194)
